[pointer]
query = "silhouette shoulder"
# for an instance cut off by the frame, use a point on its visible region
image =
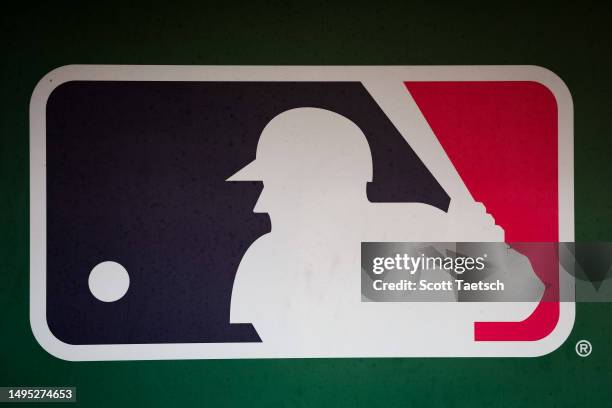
(408, 221)
(260, 245)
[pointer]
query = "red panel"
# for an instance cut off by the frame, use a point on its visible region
(502, 139)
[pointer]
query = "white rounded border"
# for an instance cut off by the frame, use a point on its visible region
(365, 74)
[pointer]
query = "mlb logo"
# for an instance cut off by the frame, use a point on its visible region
(217, 212)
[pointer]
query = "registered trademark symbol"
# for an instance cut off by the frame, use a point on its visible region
(584, 348)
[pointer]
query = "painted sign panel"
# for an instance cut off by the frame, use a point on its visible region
(218, 212)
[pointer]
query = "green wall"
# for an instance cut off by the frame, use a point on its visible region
(572, 41)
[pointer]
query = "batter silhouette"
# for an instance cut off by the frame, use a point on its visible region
(299, 285)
